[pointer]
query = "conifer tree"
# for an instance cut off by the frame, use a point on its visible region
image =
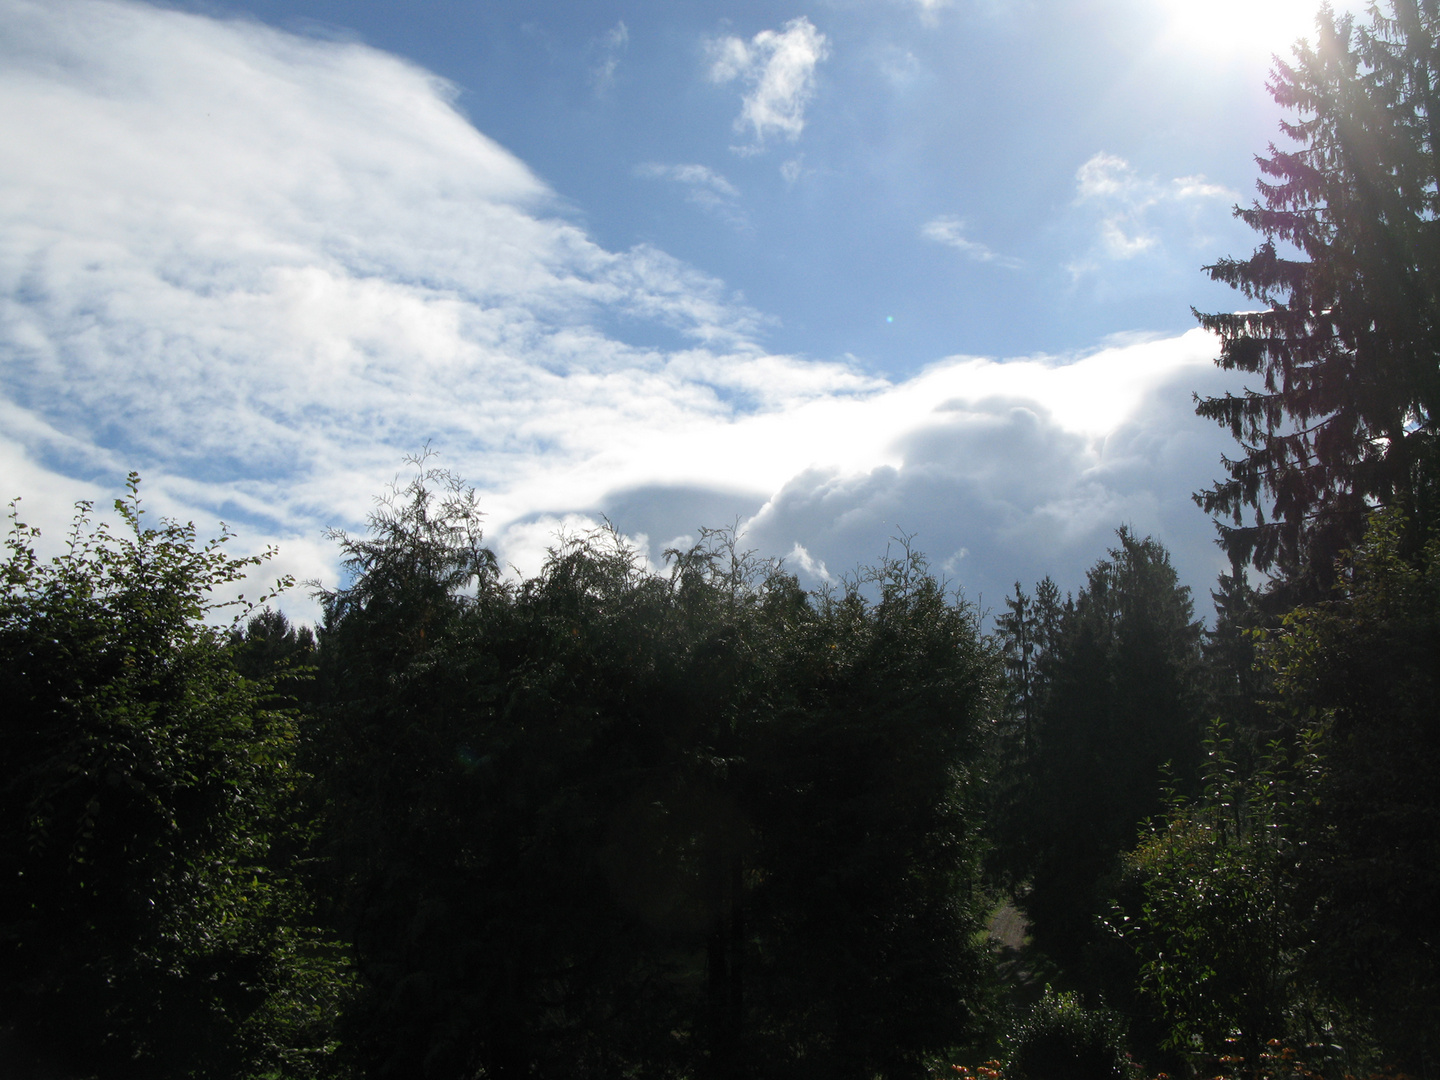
(1121, 701)
(1347, 346)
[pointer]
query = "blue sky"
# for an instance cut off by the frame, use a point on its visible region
(834, 270)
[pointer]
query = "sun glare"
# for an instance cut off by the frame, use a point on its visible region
(1244, 26)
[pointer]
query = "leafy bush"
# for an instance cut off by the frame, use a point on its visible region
(145, 926)
(1063, 1040)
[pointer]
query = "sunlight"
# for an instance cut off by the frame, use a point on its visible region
(1243, 26)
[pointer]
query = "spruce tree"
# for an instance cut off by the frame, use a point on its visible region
(1347, 344)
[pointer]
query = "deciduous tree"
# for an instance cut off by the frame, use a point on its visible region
(144, 928)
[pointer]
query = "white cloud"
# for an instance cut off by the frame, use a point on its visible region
(778, 66)
(901, 67)
(812, 567)
(610, 46)
(261, 269)
(704, 187)
(1197, 187)
(1133, 211)
(697, 176)
(950, 231)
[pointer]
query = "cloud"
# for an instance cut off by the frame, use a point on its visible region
(261, 269)
(801, 559)
(901, 67)
(779, 69)
(704, 187)
(1131, 212)
(1016, 469)
(610, 46)
(950, 230)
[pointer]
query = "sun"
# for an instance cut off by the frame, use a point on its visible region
(1244, 26)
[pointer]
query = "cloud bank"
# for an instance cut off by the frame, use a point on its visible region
(261, 269)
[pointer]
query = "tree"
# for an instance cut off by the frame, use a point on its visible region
(1348, 346)
(1214, 920)
(1357, 679)
(1298, 899)
(870, 950)
(144, 927)
(1122, 701)
(1029, 630)
(605, 821)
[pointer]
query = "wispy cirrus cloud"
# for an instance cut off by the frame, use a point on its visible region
(261, 269)
(610, 48)
(778, 67)
(703, 186)
(950, 231)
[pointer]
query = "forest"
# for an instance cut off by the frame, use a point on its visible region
(697, 822)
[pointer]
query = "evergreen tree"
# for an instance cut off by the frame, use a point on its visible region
(1237, 684)
(1122, 704)
(1347, 348)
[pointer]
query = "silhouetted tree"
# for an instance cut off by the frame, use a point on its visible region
(1348, 346)
(144, 928)
(1122, 702)
(603, 821)
(1356, 679)
(1297, 898)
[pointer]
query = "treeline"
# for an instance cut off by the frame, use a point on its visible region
(598, 822)
(611, 822)
(614, 823)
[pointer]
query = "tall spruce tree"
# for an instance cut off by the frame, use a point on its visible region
(1347, 347)
(1121, 701)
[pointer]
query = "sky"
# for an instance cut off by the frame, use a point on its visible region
(833, 272)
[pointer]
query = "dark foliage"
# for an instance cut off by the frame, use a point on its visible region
(1357, 676)
(1117, 720)
(1348, 346)
(143, 928)
(1062, 1040)
(604, 821)
(1296, 898)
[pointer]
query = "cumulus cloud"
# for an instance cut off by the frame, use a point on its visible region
(1132, 211)
(261, 269)
(778, 69)
(1025, 467)
(950, 231)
